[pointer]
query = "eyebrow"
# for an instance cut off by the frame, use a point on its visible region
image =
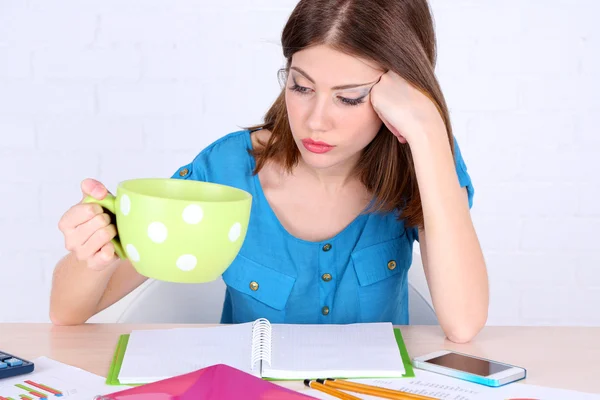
(340, 87)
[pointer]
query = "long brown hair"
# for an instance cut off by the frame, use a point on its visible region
(398, 35)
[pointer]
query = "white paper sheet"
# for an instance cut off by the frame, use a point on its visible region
(354, 350)
(442, 387)
(73, 383)
(158, 354)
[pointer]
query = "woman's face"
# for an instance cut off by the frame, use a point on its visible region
(329, 106)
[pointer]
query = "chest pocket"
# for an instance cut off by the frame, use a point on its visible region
(381, 270)
(258, 291)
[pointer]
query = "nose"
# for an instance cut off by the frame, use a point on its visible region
(319, 118)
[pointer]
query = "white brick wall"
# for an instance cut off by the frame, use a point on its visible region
(94, 89)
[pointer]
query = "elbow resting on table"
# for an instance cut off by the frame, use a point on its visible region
(465, 331)
(64, 321)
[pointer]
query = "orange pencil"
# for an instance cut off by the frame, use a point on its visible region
(372, 390)
(330, 391)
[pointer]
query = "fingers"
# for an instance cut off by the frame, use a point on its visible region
(102, 258)
(77, 215)
(83, 232)
(91, 187)
(95, 243)
(87, 228)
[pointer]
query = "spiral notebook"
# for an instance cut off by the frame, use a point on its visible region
(269, 351)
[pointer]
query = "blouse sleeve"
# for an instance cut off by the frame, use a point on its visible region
(463, 176)
(195, 170)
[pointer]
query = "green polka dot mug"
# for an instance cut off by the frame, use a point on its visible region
(178, 230)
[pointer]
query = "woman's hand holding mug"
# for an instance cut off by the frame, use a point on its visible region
(88, 229)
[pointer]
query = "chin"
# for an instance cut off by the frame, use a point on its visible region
(319, 161)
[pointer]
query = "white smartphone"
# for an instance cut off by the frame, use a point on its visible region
(470, 368)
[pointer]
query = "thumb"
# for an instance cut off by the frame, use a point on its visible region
(91, 187)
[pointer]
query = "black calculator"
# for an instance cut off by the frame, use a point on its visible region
(12, 366)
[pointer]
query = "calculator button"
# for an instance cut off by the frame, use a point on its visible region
(4, 356)
(14, 362)
(3, 365)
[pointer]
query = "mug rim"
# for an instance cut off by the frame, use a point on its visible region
(122, 185)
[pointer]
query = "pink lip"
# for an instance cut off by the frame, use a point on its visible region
(316, 147)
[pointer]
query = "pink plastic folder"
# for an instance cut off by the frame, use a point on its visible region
(219, 381)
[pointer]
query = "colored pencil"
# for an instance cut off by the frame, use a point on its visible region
(330, 391)
(372, 390)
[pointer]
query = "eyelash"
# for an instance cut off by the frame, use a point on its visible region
(349, 102)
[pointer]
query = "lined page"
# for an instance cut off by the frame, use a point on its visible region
(153, 355)
(329, 351)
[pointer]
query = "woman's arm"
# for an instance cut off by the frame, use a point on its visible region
(79, 292)
(452, 258)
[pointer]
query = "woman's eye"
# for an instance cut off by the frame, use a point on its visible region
(300, 89)
(351, 102)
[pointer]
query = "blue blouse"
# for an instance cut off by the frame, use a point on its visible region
(359, 275)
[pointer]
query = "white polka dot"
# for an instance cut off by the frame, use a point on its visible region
(132, 253)
(187, 262)
(157, 231)
(235, 232)
(125, 204)
(193, 214)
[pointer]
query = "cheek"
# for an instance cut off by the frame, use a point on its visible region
(362, 124)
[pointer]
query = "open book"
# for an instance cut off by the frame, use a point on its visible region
(269, 351)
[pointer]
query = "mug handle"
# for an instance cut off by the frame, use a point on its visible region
(108, 203)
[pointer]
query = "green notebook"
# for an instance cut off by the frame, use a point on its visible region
(119, 354)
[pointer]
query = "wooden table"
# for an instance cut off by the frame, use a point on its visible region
(560, 357)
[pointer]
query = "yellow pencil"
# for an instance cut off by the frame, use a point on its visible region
(372, 390)
(330, 391)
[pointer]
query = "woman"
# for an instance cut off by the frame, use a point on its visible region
(355, 161)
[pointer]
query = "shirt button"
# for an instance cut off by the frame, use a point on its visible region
(326, 277)
(184, 172)
(325, 310)
(254, 286)
(392, 265)
(327, 247)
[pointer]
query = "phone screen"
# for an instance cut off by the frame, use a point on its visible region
(468, 364)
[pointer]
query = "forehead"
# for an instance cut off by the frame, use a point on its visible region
(330, 67)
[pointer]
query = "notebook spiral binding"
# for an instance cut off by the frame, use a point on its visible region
(261, 343)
